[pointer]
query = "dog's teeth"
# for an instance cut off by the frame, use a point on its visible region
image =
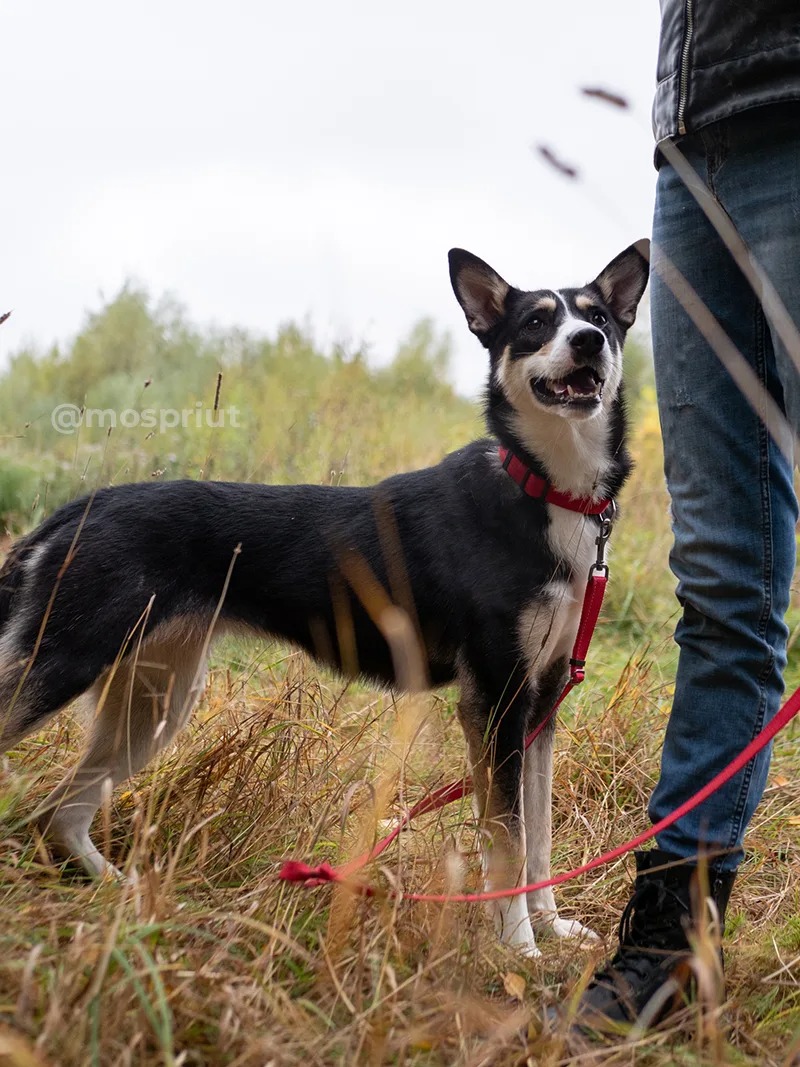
(570, 391)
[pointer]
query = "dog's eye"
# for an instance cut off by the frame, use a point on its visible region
(534, 323)
(598, 318)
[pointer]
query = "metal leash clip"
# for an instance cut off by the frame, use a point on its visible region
(606, 523)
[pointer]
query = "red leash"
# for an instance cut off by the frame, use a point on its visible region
(760, 741)
(296, 871)
(292, 871)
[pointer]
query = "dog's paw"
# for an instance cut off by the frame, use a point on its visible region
(515, 930)
(523, 945)
(571, 928)
(109, 873)
(529, 949)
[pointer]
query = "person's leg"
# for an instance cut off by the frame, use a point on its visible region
(733, 514)
(733, 504)
(762, 195)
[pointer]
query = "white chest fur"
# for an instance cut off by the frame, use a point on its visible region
(572, 541)
(549, 624)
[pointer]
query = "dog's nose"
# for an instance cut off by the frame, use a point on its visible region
(587, 342)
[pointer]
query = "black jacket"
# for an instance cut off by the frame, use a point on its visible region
(719, 57)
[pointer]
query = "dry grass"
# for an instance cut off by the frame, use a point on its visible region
(210, 960)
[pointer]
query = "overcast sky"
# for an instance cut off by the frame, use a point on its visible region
(273, 161)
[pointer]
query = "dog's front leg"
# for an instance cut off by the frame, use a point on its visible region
(538, 794)
(496, 764)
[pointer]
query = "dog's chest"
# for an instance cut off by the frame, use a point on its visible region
(550, 622)
(572, 541)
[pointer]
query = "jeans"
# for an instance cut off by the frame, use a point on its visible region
(733, 505)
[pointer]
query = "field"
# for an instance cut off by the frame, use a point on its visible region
(208, 959)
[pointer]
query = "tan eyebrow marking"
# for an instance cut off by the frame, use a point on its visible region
(584, 302)
(546, 303)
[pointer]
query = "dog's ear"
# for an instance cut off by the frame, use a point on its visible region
(480, 291)
(624, 280)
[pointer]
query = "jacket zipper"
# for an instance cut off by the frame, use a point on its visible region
(683, 91)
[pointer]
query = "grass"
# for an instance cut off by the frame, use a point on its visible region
(208, 959)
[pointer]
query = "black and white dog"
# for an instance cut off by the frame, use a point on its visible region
(117, 595)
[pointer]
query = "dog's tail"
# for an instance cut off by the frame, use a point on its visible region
(16, 570)
(12, 575)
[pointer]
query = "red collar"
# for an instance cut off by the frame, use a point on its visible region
(539, 489)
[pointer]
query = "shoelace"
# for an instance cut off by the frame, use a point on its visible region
(647, 930)
(648, 921)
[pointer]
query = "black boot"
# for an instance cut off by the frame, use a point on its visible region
(650, 969)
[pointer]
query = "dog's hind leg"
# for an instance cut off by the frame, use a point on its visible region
(139, 707)
(496, 760)
(52, 649)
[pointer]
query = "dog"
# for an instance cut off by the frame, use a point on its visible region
(118, 595)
